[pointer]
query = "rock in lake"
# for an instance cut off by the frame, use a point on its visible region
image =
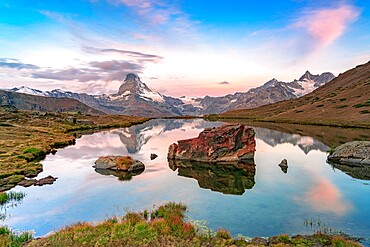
(227, 143)
(283, 163)
(43, 181)
(119, 163)
(356, 153)
(153, 156)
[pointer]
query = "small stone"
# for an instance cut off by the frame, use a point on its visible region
(283, 163)
(153, 156)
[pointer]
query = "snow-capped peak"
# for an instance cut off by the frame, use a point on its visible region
(133, 85)
(28, 90)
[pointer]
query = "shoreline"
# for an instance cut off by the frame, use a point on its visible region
(28, 136)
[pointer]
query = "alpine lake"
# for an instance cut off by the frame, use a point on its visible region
(259, 200)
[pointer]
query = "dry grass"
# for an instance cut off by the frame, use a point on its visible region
(167, 227)
(26, 137)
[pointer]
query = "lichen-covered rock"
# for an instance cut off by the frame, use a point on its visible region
(356, 153)
(120, 163)
(228, 143)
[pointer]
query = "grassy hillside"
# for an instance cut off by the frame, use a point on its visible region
(344, 101)
(26, 137)
(40, 103)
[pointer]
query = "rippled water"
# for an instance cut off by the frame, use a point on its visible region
(256, 201)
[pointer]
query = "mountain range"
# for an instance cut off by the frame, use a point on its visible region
(344, 101)
(135, 98)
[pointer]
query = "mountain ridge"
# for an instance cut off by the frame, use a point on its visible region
(344, 101)
(135, 98)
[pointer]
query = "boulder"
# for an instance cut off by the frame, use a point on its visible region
(119, 163)
(356, 153)
(227, 143)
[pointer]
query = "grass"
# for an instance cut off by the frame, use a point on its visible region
(26, 137)
(6, 198)
(167, 227)
(10, 238)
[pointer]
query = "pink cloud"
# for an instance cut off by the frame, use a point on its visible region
(326, 25)
(324, 196)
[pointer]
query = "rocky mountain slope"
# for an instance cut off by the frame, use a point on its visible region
(343, 101)
(40, 103)
(135, 98)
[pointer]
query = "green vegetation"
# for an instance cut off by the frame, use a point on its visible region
(6, 198)
(26, 137)
(167, 227)
(211, 117)
(13, 239)
(367, 103)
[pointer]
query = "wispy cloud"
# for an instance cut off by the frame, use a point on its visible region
(12, 63)
(96, 71)
(135, 54)
(323, 26)
(159, 14)
(224, 83)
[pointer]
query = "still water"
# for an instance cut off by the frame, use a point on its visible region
(259, 201)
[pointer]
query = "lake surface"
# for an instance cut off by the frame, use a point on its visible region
(260, 200)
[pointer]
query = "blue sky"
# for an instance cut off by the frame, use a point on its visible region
(177, 47)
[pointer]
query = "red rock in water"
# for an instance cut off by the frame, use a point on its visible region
(231, 142)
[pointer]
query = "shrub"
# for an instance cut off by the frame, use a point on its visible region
(222, 233)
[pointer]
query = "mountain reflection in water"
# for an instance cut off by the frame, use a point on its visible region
(227, 178)
(251, 200)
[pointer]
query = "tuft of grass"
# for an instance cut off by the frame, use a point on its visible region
(223, 233)
(10, 238)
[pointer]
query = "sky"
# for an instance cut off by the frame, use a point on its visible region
(178, 47)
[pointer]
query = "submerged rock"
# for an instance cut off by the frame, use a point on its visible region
(356, 153)
(228, 143)
(119, 163)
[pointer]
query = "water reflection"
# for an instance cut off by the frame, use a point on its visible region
(355, 171)
(227, 178)
(311, 188)
(136, 136)
(121, 175)
(324, 196)
(305, 143)
(329, 136)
